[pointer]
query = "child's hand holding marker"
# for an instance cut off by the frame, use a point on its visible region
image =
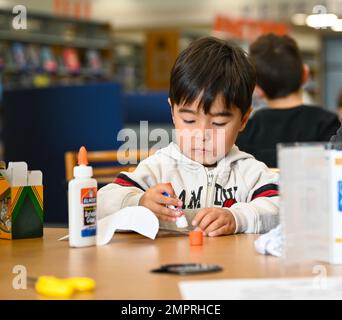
(155, 200)
(181, 221)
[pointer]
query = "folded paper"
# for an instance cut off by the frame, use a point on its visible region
(138, 219)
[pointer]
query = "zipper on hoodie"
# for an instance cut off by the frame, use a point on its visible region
(210, 187)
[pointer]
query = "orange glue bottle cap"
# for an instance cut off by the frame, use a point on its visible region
(83, 170)
(83, 156)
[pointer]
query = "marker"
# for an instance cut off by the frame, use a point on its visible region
(181, 221)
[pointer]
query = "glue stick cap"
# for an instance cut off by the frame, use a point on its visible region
(83, 170)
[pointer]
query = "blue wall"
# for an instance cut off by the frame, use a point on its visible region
(40, 125)
(151, 106)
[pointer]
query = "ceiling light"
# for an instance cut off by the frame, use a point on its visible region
(322, 20)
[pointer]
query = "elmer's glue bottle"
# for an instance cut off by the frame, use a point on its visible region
(82, 204)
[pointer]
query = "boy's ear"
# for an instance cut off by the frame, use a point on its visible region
(259, 92)
(169, 101)
(245, 119)
(306, 73)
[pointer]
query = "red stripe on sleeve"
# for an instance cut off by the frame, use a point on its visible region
(123, 182)
(268, 193)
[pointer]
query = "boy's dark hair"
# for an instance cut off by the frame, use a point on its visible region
(210, 67)
(278, 64)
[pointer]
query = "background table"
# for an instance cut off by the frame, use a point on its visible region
(122, 268)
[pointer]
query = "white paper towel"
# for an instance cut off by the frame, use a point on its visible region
(138, 219)
(271, 243)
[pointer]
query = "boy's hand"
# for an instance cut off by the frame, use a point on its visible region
(215, 221)
(154, 200)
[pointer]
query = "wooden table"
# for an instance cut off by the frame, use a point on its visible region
(122, 268)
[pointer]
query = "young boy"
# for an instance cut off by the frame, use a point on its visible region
(221, 190)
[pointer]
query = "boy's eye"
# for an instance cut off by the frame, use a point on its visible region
(219, 124)
(188, 121)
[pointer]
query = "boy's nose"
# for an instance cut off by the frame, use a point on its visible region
(202, 132)
(206, 134)
(203, 135)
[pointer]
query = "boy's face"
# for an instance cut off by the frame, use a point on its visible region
(207, 138)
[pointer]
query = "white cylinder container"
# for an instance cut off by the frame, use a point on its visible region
(82, 207)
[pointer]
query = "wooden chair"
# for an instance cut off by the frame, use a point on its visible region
(105, 163)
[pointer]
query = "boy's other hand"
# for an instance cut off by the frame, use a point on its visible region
(154, 200)
(215, 222)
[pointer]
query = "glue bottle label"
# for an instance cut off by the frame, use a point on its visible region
(88, 202)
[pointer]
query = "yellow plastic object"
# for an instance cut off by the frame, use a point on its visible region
(82, 284)
(63, 288)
